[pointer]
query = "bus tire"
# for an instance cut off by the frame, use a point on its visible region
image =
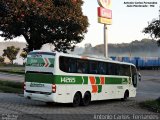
(86, 99)
(126, 95)
(76, 99)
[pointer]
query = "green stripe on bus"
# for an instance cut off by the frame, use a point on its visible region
(85, 78)
(99, 88)
(59, 79)
(42, 78)
(97, 80)
(113, 80)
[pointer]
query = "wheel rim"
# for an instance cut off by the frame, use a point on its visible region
(76, 100)
(87, 99)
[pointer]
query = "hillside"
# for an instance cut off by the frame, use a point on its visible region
(21, 45)
(4, 45)
(145, 47)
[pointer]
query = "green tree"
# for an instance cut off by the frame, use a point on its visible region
(59, 22)
(1, 59)
(154, 30)
(3, 9)
(11, 53)
(23, 54)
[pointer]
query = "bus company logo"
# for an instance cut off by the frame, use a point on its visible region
(68, 80)
(33, 84)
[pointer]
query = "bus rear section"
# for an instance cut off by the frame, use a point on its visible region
(39, 76)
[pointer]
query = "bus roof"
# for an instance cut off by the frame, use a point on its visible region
(103, 59)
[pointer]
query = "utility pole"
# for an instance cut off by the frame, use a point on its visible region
(105, 41)
(105, 17)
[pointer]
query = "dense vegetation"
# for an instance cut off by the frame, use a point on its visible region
(154, 30)
(59, 22)
(153, 105)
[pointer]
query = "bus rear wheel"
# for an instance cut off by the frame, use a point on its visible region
(76, 99)
(86, 99)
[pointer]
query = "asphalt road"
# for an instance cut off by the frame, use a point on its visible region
(14, 104)
(148, 88)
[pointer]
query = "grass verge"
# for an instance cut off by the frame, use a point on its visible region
(11, 87)
(13, 71)
(10, 65)
(152, 105)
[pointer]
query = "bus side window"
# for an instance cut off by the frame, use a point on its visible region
(124, 70)
(102, 68)
(72, 65)
(127, 71)
(93, 67)
(64, 64)
(107, 68)
(116, 69)
(82, 66)
(110, 69)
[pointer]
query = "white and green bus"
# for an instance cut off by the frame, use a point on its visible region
(64, 78)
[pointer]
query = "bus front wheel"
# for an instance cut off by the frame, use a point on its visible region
(76, 99)
(126, 95)
(86, 99)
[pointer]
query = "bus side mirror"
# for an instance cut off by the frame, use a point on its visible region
(139, 76)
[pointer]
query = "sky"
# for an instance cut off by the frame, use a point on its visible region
(128, 23)
(127, 26)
